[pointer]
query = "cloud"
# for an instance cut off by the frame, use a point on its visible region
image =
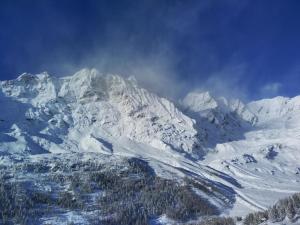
(270, 90)
(228, 81)
(141, 40)
(171, 47)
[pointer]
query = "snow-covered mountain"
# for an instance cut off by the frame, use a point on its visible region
(208, 106)
(282, 110)
(54, 113)
(245, 155)
(219, 119)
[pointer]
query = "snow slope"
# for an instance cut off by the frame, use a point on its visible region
(266, 161)
(257, 144)
(249, 151)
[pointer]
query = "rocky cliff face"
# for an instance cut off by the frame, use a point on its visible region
(91, 104)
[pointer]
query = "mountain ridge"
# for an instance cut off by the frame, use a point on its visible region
(121, 102)
(241, 151)
(116, 104)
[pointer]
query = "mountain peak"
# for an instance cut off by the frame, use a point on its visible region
(99, 106)
(86, 73)
(204, 102)
(281, 109)
(199, 101)
(25, 77)
(220, 118)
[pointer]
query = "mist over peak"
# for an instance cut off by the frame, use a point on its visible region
(171, 47)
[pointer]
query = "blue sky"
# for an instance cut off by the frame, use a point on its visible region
(243, 48)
